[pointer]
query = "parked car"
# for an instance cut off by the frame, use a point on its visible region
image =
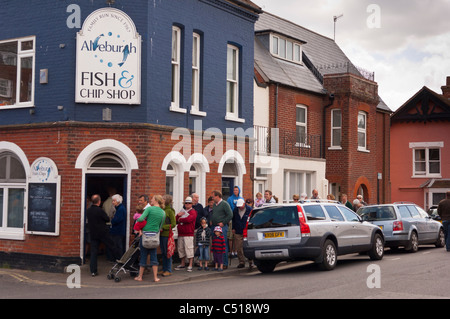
(404, 224)
(432, 211)
(311, 230)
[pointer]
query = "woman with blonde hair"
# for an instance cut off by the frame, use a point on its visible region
(155, 217)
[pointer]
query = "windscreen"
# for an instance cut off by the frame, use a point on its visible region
(274, 217)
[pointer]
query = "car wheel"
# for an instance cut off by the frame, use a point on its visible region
(329, 256)
(440, 242)
(413, 245)
(265, 266)
(377, 251)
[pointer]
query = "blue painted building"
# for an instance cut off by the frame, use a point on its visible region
(217, 24)
(95, 90)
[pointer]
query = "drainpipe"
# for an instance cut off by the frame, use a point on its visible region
(276, 107)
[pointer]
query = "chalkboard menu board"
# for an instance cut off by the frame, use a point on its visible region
(42, 207)
(43, 200)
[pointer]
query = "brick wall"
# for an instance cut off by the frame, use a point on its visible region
(63, 142)
(350, 167)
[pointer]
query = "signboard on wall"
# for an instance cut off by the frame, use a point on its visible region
(44, 192)
(108, 59)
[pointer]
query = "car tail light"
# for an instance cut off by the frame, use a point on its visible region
(398, 225)
(304, 227)
(244, 233)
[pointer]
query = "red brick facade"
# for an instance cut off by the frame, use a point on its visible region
(349, 167)
(63, 143)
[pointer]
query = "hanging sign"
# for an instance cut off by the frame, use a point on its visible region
(108, 59)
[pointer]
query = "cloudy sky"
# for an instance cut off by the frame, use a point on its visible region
(405, 42)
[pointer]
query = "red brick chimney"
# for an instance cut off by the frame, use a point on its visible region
(446, 89)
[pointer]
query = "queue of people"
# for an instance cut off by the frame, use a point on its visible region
(209, 234)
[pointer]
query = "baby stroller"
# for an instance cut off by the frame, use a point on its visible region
(128, 263)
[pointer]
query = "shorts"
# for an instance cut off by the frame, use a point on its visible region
(185, 247)
(218, 258)
(204, 252)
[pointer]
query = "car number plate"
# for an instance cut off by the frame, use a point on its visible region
(278, 234)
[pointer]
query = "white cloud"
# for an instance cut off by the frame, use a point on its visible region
(409, 50)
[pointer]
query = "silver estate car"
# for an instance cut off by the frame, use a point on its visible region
(313, 230)
(404, 224)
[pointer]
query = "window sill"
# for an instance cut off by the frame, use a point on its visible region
(335, 148)
(363, 150)
(12, 235)
(427, 176)
(197, 113)
(177, 109)
(12, 107)
(233, 118)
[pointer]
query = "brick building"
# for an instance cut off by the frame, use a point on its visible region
(420, 148)
(333, 128)
(144, 97)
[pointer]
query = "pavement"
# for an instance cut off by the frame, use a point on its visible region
(126, 280)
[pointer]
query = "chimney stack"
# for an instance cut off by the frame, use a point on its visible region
(446, 89)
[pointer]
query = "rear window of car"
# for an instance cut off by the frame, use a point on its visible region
(377, 213)
(314, 212)
(274, 217)
(404, 212)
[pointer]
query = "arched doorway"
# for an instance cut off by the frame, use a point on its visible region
(362, 187)
(232, 168)
(107, 166)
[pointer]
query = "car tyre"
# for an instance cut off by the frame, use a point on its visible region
(440, 242)
(377, 251)
(265, 266)
(329, 256)
(413, 245)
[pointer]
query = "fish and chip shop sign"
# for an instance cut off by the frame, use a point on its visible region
(108, 59)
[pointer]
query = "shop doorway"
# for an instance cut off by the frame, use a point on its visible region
(104, 185)
(105, 163)
(227, 187)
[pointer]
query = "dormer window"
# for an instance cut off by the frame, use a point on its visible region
(285, 48)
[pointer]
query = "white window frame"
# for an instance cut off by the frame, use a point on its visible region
(300, 124)
(426, 146)
(362, 131)
(196, 74)
(334, 130)
(276, 42)
(176, 75)
(304, 183)
(232, 113)
(21, 54)
(11, 233)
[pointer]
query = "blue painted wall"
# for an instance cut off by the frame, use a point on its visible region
(217, 21)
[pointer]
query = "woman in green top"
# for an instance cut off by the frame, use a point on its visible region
(155, 216)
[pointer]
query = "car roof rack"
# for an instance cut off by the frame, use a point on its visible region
(303, 201)
(319, 200)
(405, 202)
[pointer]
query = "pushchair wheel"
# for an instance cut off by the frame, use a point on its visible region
(117, 279)
(110, 276)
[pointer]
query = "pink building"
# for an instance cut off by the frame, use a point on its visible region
(420, 148)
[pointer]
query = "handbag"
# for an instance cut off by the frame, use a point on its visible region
(170, 244)
(150, 240)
